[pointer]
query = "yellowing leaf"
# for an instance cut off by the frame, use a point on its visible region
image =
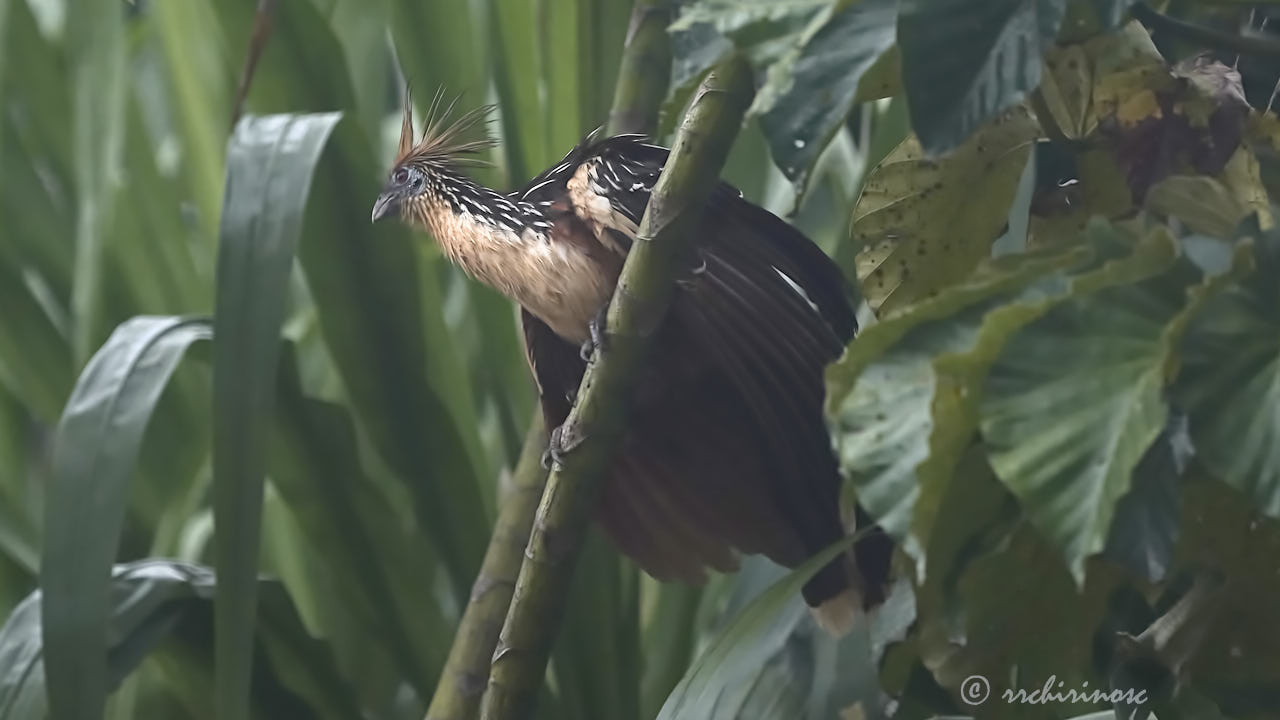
(1067, 89)
(923, 224)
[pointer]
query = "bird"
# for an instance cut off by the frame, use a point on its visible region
(726, 451)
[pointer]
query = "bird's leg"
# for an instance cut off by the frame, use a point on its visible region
(558, 445)
(552, 453)
(597, 341)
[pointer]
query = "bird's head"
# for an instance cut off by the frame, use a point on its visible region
(423, 166)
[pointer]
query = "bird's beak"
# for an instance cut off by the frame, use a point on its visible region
(387, 204)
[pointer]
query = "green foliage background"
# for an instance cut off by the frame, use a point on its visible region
(1063, 402)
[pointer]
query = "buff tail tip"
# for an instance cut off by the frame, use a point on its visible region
(837, 615)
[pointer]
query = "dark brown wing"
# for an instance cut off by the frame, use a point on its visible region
(728, 445)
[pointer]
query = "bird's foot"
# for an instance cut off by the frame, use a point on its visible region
(558, 446)
(596, 341)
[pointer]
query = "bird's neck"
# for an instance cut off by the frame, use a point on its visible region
(469, 220)
(512, 247)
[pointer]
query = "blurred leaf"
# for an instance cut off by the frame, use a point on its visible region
(694, 50)
(1204, 204)
(597, 674)
(923, 224)
(753, 635)
(517, 71)
(376, 565)
(1112, 12)
(35, 357)
(361, 28)
(964, 62)
(668, 642)
(1067, 422)
(149, 600)
(441, 46)
(378, 301)
(198, 70)
(4, 36)
(1237, 664)
(95, 41)
(270, 161)
(95, 452)
(1231, 376)
(818, 88)
(39, 199)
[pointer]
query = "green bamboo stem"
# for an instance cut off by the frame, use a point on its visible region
(644, 71)
(462, 683)
(595, 425)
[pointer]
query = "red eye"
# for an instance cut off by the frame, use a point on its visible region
(400, 176)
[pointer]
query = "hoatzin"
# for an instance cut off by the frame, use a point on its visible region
(726, 448)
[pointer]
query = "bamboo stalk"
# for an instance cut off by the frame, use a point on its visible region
(595, 426)
(645, 69)
(462, 683)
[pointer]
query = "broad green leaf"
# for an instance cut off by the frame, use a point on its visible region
(695, 49)
(1067, 420)
(923, 224)
(95, 451)
(750, 638)
(965, 61)
(270, 161)
(769, 34)
(1230, 380)
(1066, 87)
(1018, 620)
(817, 90)
(152, 604)
(903, 398)
(1145, 530)
(96, 44)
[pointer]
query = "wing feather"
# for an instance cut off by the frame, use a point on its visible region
(730, 450)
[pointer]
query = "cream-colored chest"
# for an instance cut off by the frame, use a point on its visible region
(559, 282)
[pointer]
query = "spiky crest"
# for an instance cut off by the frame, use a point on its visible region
(442, 140)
